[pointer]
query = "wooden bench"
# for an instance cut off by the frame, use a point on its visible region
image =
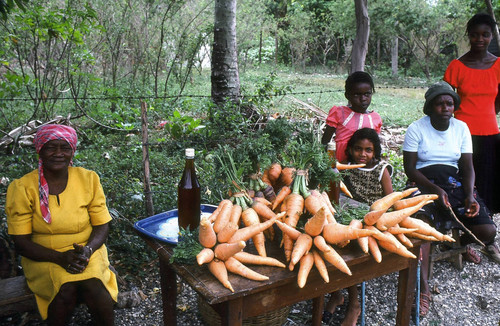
(452, 254)
(15, 296)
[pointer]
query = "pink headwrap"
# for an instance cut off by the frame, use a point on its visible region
(43, 135)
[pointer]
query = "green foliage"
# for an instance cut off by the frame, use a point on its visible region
(187, 248)
(179, 126)
(399, 178)
(348, 212)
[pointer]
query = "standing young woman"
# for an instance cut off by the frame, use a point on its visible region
(476, 77)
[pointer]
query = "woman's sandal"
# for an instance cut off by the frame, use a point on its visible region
(424, 304)
(471, 255)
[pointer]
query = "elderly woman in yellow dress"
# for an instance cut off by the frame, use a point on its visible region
(58, 220)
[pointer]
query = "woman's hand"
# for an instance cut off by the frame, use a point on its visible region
(443, 197)
(471, 207)
(76, 260)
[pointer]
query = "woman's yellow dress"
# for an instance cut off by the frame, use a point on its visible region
(74, 211)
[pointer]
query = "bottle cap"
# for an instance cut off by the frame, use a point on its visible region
(331, 146)
(189, 152)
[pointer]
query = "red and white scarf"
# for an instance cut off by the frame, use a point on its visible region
(43, 135)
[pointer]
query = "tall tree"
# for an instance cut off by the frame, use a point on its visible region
(360, 46)
(225, 77)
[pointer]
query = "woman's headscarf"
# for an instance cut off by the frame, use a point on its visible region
(43, 135)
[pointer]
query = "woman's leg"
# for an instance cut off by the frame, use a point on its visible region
(61, 308)
(99, 301)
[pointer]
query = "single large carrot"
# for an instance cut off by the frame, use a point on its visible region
(286, 176)
(225, 250)
(248, 232)
(248, 258)
(236, 267)
(320, 266)
(263, 201)
(313, 203)
(412, 201)
(336, 260)
(265, 177)
(328, 202)
(372, 216)
(337, 233)
(294, 208)
(400, 250)
(342, 166)
(227, 232)
(363, 241)
(218, 269)
(274, 173)
(206, 255)
(301, 247)
(344, 189)
(263, 211)
(389, 219)
(290, 231)
(215, 213)
(380, 236)
(388, 200)
(424, 228)
(396, 229)
(374, 249)
(422, 236)
(223, 217)
(282, 194)
(404, 240)
(249, 218)
(321, 244)
(206, 234)
(306, 264)
(314, 225)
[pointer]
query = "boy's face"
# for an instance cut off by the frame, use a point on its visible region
(360, 97)
(363, 152)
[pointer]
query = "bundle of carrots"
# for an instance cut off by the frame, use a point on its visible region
(223, 239)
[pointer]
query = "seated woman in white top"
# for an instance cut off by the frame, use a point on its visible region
(437, 155)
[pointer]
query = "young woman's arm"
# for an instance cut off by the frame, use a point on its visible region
(410, 166)
(327, 135)
(386, 182)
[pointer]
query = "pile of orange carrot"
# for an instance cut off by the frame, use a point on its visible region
(224, 240)
(224, 234)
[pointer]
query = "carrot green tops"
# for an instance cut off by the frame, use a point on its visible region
(477, 89)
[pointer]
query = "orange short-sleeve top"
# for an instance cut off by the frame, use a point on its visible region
(478, 89)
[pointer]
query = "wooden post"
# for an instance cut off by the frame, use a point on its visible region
(145, 159)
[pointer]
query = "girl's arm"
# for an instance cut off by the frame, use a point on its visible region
(327, 135)
(468, 178)
(410, 166)
(386, 182)
(497, 101)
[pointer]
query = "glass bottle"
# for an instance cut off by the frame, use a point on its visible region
(188, 191)
(334, 193)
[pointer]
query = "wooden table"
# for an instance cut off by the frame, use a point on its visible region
(252, 298)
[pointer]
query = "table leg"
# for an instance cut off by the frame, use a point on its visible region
(406, 290)
(317, 311)
(168, 281)
(232, 313)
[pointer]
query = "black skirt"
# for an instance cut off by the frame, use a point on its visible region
(448, 179)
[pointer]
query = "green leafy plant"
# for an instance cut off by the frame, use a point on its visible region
(179, 126)
(187, 248)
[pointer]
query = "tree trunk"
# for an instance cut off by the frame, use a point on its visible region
(225, 77)
(360, 46)
(394, 56)
(491, 12)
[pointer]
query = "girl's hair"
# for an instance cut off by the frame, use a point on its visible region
(358, 77)
(481, 19)
(364, 133)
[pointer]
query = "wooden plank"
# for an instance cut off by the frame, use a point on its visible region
(15, 296)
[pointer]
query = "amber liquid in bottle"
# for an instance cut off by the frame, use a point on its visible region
(334, 193)
(189, 200)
